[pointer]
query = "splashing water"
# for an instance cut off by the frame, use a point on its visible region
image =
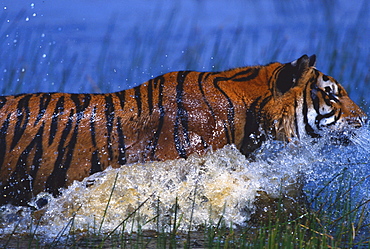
(362, 139)
(199, 189)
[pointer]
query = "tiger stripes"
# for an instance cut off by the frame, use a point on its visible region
(48, 140)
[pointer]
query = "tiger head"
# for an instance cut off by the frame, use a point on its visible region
(318, 103)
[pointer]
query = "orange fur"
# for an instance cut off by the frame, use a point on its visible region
(51, 139)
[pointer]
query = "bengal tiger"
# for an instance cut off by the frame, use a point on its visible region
(49, 140)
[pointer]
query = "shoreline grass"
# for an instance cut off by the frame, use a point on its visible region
(33, 61)
(316, 227)
(331, 222)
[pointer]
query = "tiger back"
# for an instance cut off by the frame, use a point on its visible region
(49, 140)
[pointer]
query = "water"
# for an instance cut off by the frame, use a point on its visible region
(222, 183)
(112, 45)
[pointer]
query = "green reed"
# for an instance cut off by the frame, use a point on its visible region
(145, 52)
(334, 220)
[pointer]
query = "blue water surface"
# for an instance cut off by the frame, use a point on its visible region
(103, 46)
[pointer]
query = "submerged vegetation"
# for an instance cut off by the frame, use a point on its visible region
(337, 216)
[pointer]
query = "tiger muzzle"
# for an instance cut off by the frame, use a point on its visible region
(357, 122)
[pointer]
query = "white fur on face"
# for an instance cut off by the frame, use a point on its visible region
(328, 84)
(332, 90)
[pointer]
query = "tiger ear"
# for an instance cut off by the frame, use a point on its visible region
(304, 62)
(291, 72)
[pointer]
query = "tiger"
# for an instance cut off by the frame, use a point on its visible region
(49, 140)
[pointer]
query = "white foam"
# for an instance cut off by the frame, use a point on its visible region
(220, 184)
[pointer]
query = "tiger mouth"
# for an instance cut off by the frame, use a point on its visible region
(346, 124)
(345, 136)
(355, 124)
(341, 133)
(358, 122)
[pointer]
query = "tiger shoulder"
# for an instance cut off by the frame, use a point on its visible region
(49, 140)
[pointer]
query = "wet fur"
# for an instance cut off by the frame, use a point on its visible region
(48, 140)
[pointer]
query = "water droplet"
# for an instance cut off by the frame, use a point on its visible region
(5, 8)
(27, 19)
(44, 56)
(32, 5)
